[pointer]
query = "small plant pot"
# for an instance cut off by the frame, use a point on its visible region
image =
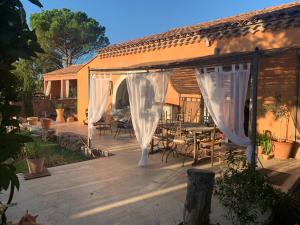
(259, 150)
(35, 165)
(70, 119)
(45, 123)
(282, 150)
(60, 116)
(32, 121)
(266, 157)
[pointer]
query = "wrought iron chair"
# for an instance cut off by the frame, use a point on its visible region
(105, 124)
(125, 125)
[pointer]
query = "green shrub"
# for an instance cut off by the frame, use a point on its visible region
(59, 106)
(247, 194)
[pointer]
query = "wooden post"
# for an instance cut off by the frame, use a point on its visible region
(296, 104)
(198, 197)
(254, 105)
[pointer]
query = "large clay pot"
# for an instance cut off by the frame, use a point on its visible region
(32, 121)
(297, 153)
(282, 150)
(35, 165)
(45, 123)
(60, 116)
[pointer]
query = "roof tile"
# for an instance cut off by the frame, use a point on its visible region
(230, 26)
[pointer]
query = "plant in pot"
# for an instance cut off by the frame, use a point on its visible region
(45, 122)
(281, 112)
(259, 144)
(34, 159)
(267, 146)
(60, 113)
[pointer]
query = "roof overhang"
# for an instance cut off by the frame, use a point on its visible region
(183, 77)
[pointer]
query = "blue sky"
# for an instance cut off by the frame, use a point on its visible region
(129, 19)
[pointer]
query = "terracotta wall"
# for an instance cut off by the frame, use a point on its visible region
(277, 77)
(264, 40)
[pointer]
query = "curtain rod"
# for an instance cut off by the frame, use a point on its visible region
(119, 72)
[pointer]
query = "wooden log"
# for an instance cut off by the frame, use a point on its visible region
(198, 198)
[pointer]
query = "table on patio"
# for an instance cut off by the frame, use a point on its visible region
(193, 128)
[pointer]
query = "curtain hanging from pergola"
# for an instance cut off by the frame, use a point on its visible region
(224, 94)
(98, 100)
(147, 93)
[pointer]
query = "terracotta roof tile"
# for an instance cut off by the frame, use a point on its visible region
(73, 69)
(275, 17)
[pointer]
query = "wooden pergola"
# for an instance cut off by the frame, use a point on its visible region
(184, 80)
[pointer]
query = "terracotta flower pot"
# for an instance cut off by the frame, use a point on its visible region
(60, 116)
(266, 157)
(45, 123)
(70, 119)
(35, 165)
(32, 120)
(282, 150)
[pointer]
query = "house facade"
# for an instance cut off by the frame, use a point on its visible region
(274, 28)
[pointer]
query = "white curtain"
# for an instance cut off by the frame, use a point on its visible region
(225, 94)
(147, 93)
(98, 99)
(67, 88)
(48, 88)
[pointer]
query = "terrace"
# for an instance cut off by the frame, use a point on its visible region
(112, 190)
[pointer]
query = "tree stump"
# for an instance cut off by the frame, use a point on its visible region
(198, 197)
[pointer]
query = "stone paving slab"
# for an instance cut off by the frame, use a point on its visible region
(114, 190)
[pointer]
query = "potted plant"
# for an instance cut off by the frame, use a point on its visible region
(259, 144)
(266, 141)
(60, 113)
(282, 147)
(34, 159)
(45, 122)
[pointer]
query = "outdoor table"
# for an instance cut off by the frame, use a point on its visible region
(196, 130)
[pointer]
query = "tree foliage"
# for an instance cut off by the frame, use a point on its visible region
(70, 35)
(16, 42)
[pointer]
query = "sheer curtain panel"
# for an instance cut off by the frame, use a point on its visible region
(48, 88)
(224, 94)
(67, 88)
(98, 99)
(147, 93)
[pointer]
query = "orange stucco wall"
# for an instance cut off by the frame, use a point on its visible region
(263, 40)
(277, 77)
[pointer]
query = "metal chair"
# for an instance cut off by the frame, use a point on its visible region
(106, 124)
(125, 125)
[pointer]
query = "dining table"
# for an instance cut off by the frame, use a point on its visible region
(193, 128)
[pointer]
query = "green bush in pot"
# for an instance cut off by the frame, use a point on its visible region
(34, 159)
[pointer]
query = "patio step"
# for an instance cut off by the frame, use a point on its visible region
(284, 175)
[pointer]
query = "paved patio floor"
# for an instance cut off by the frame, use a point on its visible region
(114, 190)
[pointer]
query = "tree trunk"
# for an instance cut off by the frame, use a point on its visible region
(198, 197)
